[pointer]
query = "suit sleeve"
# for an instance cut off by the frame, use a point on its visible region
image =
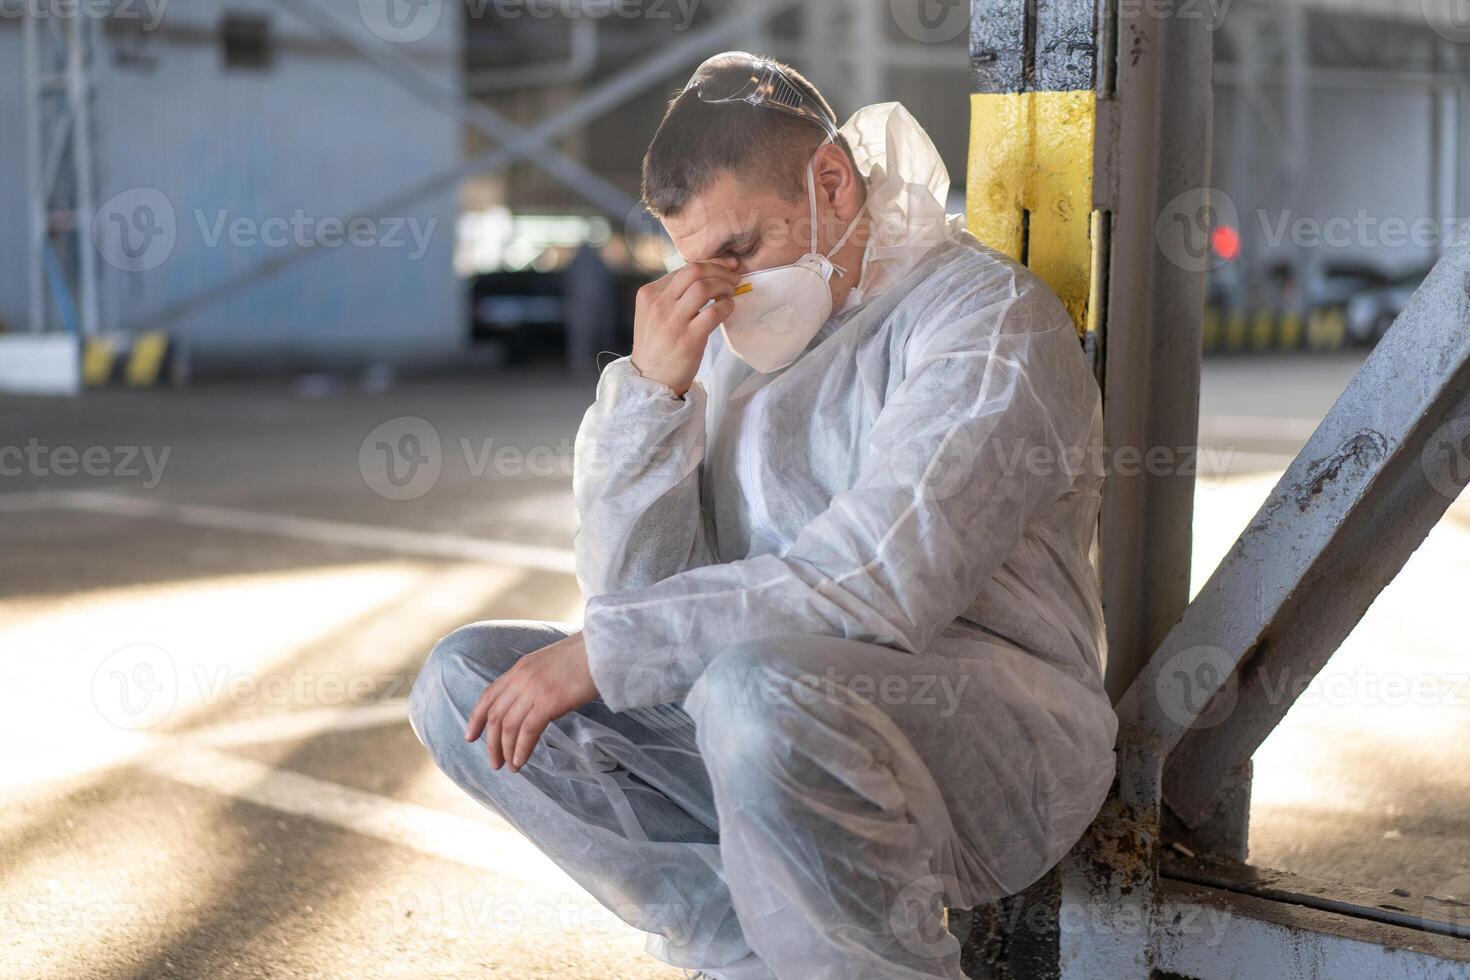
(635, 478)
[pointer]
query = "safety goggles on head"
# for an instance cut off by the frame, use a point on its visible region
(737, 76)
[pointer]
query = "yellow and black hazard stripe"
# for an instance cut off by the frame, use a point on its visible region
(1260, 330)
(1033, 108)
(138, 362)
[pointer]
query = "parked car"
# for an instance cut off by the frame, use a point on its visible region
(526, 311)
(522, 309)
(1372, 311)
(1330, 284)
(1332, 304)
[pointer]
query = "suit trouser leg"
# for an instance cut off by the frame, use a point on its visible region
(620, 801)
(860, 790)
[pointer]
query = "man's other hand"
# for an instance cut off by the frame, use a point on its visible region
(671, 321)
(541, 687)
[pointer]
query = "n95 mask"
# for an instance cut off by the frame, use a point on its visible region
(778, 311)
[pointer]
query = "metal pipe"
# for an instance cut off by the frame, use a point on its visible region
(1160, 133)
(1298, 162)
(34, 159)
(79, 90)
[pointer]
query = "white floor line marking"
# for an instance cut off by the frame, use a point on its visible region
(415, 543)
(489, 843)
(492, 845)
(285, 725)
(32, 500)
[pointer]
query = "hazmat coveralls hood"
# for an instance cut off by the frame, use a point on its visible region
(924, 479)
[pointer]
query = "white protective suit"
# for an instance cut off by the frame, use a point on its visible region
(842, 618)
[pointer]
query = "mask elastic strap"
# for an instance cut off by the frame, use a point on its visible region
(852, 227)
(811, 197)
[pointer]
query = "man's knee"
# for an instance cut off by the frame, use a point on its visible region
(752, 699)
(769, 672)
(460, 666)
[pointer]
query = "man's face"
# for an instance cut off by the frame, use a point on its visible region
(732, 219)
(749, 220)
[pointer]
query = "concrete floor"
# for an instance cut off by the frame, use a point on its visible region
(202, 677)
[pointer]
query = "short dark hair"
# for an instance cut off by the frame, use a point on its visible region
(697, 141)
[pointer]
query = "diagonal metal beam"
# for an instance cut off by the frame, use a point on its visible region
(1379, 472)
(607, 95)
(603, 195)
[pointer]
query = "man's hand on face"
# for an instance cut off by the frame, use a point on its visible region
(540, 688)
(671, 322)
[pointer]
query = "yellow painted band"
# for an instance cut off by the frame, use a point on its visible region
(1263, 330)
(1030, 175)
(97, 360)
(146, 360)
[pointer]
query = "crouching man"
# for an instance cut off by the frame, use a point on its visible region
(842, 652)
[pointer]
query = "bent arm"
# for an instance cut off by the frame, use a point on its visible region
(636, 483)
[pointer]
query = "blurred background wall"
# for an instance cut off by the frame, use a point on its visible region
(1340, 146)
(326, 183)
(227, 111)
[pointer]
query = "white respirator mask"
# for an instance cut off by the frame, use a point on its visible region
(778, 311)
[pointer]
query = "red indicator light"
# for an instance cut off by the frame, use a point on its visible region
(1226, 242)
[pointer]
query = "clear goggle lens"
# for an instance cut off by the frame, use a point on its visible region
(736, 76)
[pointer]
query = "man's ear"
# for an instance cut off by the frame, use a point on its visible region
(834, 174)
